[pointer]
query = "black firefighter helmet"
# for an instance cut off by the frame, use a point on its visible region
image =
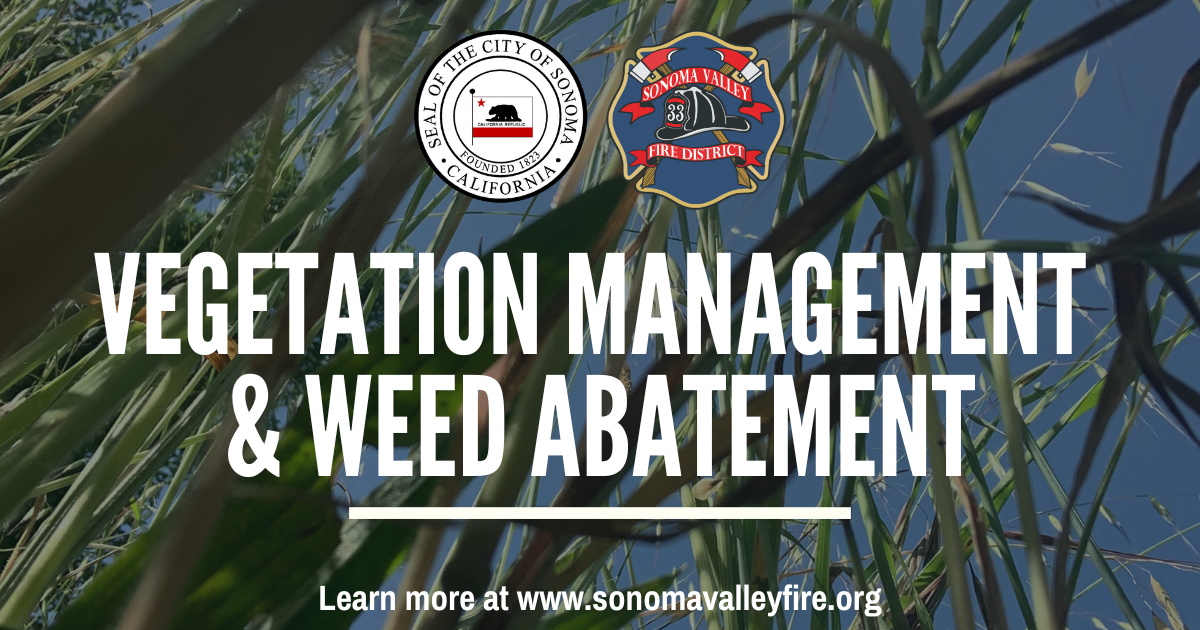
(689, 111)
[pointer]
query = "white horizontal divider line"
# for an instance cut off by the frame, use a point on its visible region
(594, 513)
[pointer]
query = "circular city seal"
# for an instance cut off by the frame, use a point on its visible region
(501, 116)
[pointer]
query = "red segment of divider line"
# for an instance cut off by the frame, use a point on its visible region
(502, 132)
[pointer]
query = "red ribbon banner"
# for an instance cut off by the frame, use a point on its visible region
(705, 76)
(697, 154)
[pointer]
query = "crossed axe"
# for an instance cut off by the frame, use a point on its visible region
(733, 60)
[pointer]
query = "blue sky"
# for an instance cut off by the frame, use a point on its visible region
(1123, 114)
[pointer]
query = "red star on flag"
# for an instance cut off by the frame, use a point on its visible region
(481, 102)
